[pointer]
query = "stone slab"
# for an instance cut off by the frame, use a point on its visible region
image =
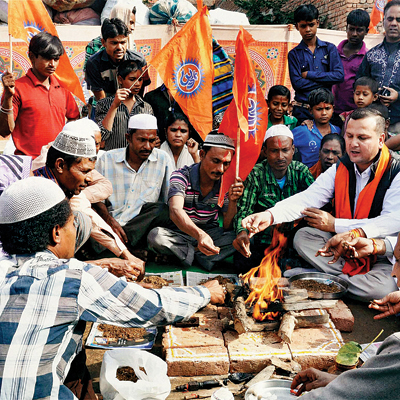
(197, 361)
(203, 335)
(311, 347)
(342, 317)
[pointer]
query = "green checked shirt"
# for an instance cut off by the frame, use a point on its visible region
(261, 192)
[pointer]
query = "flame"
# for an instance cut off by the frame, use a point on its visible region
(263, 280)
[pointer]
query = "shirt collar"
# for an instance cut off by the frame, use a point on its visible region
(271, 180)
(53, 80)
(319, 43)
(360, 52)
(122, 156)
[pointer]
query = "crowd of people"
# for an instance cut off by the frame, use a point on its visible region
(134, 181)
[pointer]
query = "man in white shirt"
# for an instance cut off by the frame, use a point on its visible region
(365, 186)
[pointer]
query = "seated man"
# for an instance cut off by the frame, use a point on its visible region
(34, 108)
(47, 295)
(70, 163)
(193, 203)
(140, 176)
(101, 68)
(365, 187)
(332, 148)
(272, 180)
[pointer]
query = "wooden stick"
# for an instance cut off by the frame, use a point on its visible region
(11, 57)
(237, 152)
(379, 334)
(286, 329)
(133, 84)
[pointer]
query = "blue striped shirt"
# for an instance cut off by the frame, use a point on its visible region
(42, 301)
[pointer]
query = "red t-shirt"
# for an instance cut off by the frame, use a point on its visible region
(39, 113)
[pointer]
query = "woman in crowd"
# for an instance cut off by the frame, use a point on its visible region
(182, 150)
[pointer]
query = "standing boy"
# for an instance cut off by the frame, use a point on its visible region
(34, 108)
(308, 142)
(352, 52)
(313, 63)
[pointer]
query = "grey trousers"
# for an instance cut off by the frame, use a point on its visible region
(169, 242)
(375, 284)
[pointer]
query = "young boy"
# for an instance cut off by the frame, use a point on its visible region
(308, 142)
(352, 52)
(365, 93)
(278, 104)
(313, 63)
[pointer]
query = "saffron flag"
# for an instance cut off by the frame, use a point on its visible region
(376, 15)
(28, 18)
(185, 64)
(246, 118)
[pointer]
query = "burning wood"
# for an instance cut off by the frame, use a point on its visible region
(263, 280)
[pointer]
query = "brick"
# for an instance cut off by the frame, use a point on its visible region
(342, 317)
(197, 361)
(203, 335)
(312, 347)
(206, 314)
(225, 312)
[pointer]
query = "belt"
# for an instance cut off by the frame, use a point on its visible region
(298, 104)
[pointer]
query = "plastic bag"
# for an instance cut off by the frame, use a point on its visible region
(164, 11)
(153, 384)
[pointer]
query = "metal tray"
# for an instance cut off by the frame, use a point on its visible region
(277, 387)
(323, 278)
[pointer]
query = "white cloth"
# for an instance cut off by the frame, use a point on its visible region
(322, 191)
(185, 158)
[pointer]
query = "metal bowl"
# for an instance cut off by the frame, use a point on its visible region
(277, 387)
(322, 278)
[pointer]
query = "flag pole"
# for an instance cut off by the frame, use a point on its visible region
(237, 151)
(11, 57)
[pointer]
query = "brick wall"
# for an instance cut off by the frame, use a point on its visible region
(335, 11)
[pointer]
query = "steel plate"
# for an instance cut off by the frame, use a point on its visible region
(263, 389)
(322, 278)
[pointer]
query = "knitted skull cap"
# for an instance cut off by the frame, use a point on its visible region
(278, 130)
(76, 139)
(215, 139)
(142, 121)
(27, 198)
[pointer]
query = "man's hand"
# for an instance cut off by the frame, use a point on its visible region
(389, 305)
(121, 95)
(255, 223)
(304, 74)
(309, 123)
(206, 245)
(388, 100)
(132, 270)
(236, 190)
(157, 143)
(136, 263)
(310, 379)
(117, 228)
(334, 247)
(242, 244)
(216, 290)
(8, 80)
(319, 219)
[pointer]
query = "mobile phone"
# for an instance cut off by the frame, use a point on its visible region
(384, 92)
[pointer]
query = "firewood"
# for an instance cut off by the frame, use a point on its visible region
(286, 329)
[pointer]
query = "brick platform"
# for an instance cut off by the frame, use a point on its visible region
(342, 317)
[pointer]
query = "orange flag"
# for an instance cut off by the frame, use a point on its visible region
(185, 64)
(246, 118)
(376, 15)
(28, 18)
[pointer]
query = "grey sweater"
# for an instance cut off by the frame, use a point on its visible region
(377, 379)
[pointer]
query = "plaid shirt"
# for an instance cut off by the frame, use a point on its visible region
(132, 189)
(42, 301)
(261, 192)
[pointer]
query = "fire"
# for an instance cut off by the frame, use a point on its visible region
(263, 280)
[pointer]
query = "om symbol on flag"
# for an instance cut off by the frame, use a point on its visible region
(253, 114)
(188, 77)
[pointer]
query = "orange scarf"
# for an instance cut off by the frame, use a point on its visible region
(364, 203)
(316, 169)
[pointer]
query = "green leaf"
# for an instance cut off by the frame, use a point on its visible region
(349, 354)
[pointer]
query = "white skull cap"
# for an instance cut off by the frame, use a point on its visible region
(142, 121)
(86, 125)
(77, 139)
(27, 198)
(278, 130)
